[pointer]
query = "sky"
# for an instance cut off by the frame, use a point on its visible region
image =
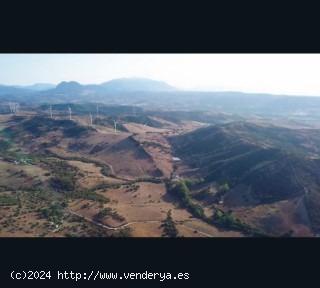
(292, 74)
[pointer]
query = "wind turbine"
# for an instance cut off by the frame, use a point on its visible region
(115, 126)
(16, 108)
(90, 117)
(97, 111)
(11, 107)
(70, 113)
(50, 110)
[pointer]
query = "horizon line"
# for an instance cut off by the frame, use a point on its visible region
(181, 89)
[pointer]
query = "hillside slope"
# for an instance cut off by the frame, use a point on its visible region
(263, 165)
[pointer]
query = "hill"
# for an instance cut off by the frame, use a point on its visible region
(119, 153)
(262, 165)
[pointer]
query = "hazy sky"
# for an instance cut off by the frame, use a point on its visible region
(297, 74)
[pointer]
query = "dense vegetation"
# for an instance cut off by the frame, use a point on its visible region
(227, 221)
(54, 212)
(169, 227)
(63, 176)
(4, 145)
(89, 195)
(8, 200)
(181, 191)
(108, 212)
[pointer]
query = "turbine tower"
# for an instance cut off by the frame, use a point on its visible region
(50, 110)
(70, 113)
(97, 111)
(90, 117)
(115, 126)
(11, 107)
(16, 108)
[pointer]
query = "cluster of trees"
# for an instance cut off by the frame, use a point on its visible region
(132, 187)
(148, 179)
(64, 176)
(105, 170)
(107, 212)
(180, 190)
(220, 218)
(227, 221)
(8, 200)
(192, 182)
(76, 131)
(89, 195)
(212, 195)
(4, 145)
(54, 212)
(169, 226)
(62, 183)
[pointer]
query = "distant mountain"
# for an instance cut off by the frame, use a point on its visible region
(116, 85)
(137, 84)
(10, 90)
(38, 86)
(158, 95)
(124, 90)
(65, 87)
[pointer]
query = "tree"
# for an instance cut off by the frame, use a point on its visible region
(169, 226)
(224, 188)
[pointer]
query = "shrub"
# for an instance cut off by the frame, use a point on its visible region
(89, 195)
(54, 212)
(108, 212)
(62, 183)
(8, 200)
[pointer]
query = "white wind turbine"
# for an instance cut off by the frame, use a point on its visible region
(16, 108)
(97, 111)
(70, 113)
(50, 110)
(11, 107)
(115, 126)
(90, 117)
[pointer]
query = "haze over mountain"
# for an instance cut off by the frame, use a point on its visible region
(137, 84)
(11, 90)
(154, 95)
(37, 86)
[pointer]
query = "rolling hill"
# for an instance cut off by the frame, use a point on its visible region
(263, 165)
